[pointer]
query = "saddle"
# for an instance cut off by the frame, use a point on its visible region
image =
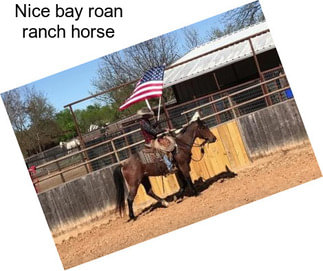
(149, 155)
(154, 152)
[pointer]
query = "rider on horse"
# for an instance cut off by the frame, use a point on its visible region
(150, 132)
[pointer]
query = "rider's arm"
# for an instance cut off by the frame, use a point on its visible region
(148, 128)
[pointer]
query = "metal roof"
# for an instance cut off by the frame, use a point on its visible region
(222, 57)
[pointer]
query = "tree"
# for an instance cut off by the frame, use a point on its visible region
(41, 116)
(246, 15)
(93, 114)
(216, 33)
(66, 124)
(191, 38)
(15, 108)
(32, 118)
(237, 19)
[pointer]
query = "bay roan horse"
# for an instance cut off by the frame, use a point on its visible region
(134, 172)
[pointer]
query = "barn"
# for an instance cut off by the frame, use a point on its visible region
(224, 66)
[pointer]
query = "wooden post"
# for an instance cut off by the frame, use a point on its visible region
(84, 154)
(59, 169)
(115, 151)
(216, 81)
(169, 123)
(261, 76)
(231, 105)
(186, 118)
(217, 117)
(127, 142)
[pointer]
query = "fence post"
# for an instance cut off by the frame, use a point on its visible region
(59, 169)
(233, 109)
(115, 151)
(217, 117)
(127, 142)
(84, 153)
(261, 76)
(169, 123)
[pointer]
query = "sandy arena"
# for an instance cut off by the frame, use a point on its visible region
(264, 177)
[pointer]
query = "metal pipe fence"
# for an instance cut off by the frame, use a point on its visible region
(214, 109)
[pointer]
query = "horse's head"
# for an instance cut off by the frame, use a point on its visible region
(202, 131)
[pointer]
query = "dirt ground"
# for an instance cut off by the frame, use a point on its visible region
(262, 178)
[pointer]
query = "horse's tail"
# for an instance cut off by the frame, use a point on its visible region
(119, 182)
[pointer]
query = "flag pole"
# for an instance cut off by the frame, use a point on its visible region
(158, 115)
(159, 104)
(148, 105)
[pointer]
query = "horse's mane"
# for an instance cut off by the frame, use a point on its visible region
(195, 118)
(183, 130)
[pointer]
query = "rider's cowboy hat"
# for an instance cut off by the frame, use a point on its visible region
(145, 112)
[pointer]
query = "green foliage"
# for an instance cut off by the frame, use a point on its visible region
(66, 123)
(93, 114)
(32, 118)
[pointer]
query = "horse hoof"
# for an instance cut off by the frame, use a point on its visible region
(179, 200)
(164, 203)
(194, 193)
(132, 219)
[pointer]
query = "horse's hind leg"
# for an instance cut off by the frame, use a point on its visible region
(146, 183)
(130, 206)
(131, 196)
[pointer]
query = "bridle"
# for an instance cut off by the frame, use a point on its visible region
(194, 145)
(201, 146)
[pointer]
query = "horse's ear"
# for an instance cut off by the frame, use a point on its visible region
(200, 122)
(195, 117)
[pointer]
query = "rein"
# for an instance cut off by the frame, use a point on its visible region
(198, 160)
(194, 145)
(201, 146)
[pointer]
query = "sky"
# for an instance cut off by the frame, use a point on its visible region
(70, 85)
(76, 83)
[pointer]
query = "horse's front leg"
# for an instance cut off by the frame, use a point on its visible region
(146, 183)
(182, 185)
(185, 170)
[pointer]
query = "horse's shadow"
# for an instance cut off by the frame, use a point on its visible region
(199, 185)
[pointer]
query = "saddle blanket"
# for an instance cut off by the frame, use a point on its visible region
(148, 156)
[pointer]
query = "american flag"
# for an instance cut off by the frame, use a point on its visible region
(149, 86)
